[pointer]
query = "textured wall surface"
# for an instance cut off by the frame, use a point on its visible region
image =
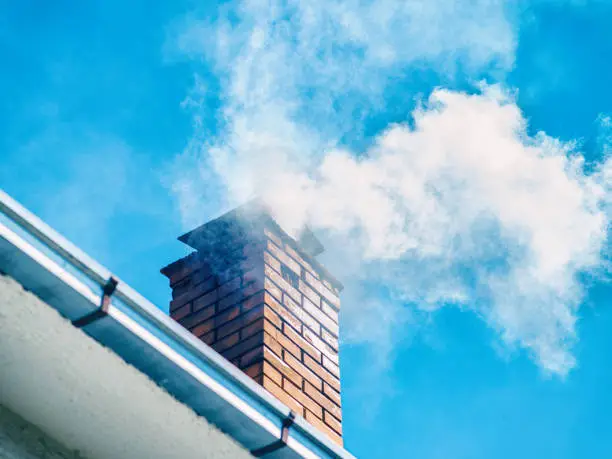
(21, 440)
(301, 364)
(86, 397)
(270, 309)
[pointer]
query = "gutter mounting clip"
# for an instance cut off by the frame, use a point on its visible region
(107, 291)
(281, 442)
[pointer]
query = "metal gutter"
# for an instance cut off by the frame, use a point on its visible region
(72, 283)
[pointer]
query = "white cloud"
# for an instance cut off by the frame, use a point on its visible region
(491, 217)
(458, 206)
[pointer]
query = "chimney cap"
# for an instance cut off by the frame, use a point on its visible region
(244, 218)
(222, 232)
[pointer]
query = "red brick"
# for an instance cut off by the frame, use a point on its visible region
(315, 312)
(272, 317)
(240, 322)
(301, 342)
(204, 284)
(254, 370)
(252, 328)
(290, 276)
(250, 357)
(282, 284)
(272, 373)
(302, 370)
(273, 289)
(319, 344)
(333, 300)
(297, 257)
(324, 428)
(332, 393)
(203, 328)
(180, 276)
(331, 367)
(333, 423)
(333, 356)
(309, 293)
(281, 395)
(321, 373)
(205, 300)
(178, 270)
(285, 342)
(227, 342)
(254, 300)
(229, 287)
(282, 367)
(322, 290)
(204, 274)
(322, 400)
(331, 287)
(179, 302)
(330, 339)
(330, 311)
(209, 337)
(304, 400)
(301, 314)
(244, 346)
(273, 345)
(284, 314)
(226, 316)
(182, 287)
(181, 312)
(284, 258)
(230, 300)
(277, 240)
(192, 294)
(273, 262)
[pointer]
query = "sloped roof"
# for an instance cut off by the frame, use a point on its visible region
(71, 283)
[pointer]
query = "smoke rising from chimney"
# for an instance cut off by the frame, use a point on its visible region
(458, 205)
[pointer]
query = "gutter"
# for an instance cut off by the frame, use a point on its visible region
(118, 317)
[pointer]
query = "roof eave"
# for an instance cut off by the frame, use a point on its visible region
(71, 282)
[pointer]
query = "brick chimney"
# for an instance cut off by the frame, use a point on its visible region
(260, 299)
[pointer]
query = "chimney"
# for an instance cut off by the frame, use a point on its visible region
(260, 299)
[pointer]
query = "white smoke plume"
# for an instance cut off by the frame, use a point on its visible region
(457, 206)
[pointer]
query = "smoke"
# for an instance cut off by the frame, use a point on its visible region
(458, 205)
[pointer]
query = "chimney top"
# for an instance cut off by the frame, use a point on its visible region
(245, 223)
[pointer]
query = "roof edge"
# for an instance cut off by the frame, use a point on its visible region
(50, 246)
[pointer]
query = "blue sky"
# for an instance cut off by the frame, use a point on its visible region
(474, 249)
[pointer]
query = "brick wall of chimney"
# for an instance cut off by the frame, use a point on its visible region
(273, 312)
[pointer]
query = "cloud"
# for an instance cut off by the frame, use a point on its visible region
(466, 208)
(459, 205)
(337, 56)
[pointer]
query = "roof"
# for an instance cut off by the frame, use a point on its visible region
(71, 283)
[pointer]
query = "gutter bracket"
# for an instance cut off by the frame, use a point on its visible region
(107, 291)
(281, 442)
